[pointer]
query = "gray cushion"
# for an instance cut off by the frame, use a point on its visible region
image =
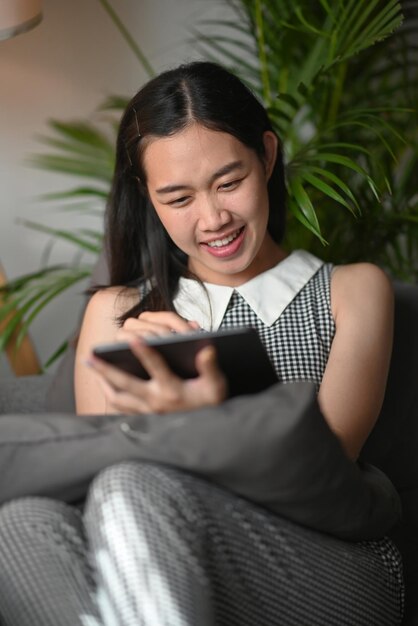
(274, 448)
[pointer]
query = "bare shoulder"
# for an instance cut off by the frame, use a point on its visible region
(360, 286)
(100, 322)
(111, 302)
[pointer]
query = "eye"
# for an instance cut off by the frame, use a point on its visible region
(178, 202)
(230, 186)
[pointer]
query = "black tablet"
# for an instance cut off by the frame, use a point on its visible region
(240, 353)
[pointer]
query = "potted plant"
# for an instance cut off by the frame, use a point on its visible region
(340, 83)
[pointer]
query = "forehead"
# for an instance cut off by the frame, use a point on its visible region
(193, 150)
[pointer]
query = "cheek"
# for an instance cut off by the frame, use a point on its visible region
(253, 203)
(262, 198)
(176, 223)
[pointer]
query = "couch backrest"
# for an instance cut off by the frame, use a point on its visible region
(392, 445)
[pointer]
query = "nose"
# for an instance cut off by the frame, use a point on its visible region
(212, 216)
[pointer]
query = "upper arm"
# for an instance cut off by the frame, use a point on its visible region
(353, 386)
(99, 326)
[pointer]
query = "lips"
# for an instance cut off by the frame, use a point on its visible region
(227, 246)
(224, 241)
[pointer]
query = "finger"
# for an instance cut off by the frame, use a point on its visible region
(168, 319)
(116, 402)
(208, 368)
(129, 394)
(153, 362)
(116, 377)
(127, 336)
(125, 403)
(194, 325)
(206, 362)
(145, 328)
(123, 392)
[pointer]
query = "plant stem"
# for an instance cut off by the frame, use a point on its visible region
(337, 93)
(128, 37)
(262, 53)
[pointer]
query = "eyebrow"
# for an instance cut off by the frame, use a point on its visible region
(226, 169)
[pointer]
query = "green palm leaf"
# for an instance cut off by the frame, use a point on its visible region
(340, 80)
(28, 295)
(76, 193)
(86, 239)
(302, 207)
(79, 150)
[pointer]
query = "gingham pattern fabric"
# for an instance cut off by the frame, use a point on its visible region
(45, 575)
(299, 342)
(174, 550)
(169, 549)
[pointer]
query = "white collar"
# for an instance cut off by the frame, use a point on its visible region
(268, 294)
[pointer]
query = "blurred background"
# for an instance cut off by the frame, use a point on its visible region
(340, 83)
(63, 69)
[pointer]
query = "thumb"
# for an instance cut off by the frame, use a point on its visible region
(207, 367)
(206, 362)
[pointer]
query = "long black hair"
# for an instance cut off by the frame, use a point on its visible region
(138, 247)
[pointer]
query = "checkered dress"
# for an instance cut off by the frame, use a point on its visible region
(299, 341)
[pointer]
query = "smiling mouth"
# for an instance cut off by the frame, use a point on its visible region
(218, 243)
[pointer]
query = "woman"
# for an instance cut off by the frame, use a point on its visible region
(194, 230)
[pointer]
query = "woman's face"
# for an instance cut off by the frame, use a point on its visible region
(210, 193)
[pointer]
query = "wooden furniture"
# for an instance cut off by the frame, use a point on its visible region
(22, 359)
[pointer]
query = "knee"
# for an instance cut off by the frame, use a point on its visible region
(130, 480)
(25, 512)
(131, 477)
(37, 519)
(139, 485)
(144, 504)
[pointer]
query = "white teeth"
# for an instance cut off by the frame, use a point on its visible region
(223, 242)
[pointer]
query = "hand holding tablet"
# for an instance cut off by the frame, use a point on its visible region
(240, 355)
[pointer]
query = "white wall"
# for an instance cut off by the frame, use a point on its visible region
(63, 69)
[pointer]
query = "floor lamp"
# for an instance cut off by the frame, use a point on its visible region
(18, 16)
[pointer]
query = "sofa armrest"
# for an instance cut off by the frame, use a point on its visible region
(24, 394)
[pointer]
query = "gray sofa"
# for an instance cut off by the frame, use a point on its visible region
(391, 447)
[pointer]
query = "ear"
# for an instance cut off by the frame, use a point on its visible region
(271, 145)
